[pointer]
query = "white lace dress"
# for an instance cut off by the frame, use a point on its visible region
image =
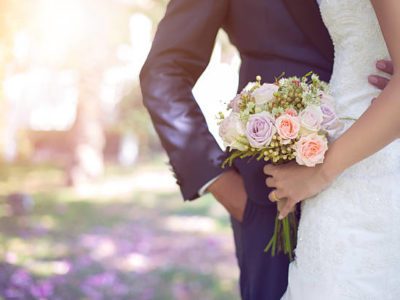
(349, 235)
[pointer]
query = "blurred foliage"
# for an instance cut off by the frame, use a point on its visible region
(136, 245)
(154, 9)
(88, 49)
(133, 117)
(13, 17)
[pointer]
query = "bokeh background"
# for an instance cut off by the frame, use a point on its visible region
(88, 206)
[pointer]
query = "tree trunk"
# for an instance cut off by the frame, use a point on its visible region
(87, 133)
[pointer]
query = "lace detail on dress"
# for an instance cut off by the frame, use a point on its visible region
(349, 235)
(359, 43)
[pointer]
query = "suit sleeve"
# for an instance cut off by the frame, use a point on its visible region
(180, 53)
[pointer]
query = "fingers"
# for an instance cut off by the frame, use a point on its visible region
(269, 169)
(287, 208)
(270, 182)
(385, 66)
(378, 81)
(272, 197)
(276, 195)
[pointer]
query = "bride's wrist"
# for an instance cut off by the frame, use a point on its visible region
(328, 172)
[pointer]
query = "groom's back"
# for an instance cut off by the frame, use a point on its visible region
(270, 41)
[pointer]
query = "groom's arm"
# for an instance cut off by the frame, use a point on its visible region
(181, 51)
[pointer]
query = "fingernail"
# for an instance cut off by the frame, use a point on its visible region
(373, 79)
(381, 64)
(280, 217)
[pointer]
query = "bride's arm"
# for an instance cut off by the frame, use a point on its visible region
(376, 128)
(380, 124)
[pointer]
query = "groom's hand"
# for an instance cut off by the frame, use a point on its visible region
(380, 82)
(229, 190)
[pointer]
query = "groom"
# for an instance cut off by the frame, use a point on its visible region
(272, 36)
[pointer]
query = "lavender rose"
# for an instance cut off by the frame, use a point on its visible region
(331, 124)
(232, 132)
(260, 129)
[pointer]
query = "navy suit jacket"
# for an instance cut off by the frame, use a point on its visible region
(272, 36)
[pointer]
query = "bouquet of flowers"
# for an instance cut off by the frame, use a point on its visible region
(290, 119)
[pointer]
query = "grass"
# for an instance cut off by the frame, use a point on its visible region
(128, 236)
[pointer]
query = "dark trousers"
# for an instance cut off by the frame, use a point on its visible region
(262, 277)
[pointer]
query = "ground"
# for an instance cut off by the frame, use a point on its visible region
(129, 236)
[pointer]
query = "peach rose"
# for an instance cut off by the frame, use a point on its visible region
(311, 150)
(287, 126)
(291, 112)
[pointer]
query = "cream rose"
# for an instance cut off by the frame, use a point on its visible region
(311, 118)
(310, 150)
(249, 86)
(328, 100)
(265, 93)
(230, 130)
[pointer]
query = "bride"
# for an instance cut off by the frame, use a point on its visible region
(349, 233)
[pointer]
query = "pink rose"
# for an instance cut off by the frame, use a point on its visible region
(291, 112)
(311, 118)
(331, 124)
(260, 129)
(232, 132)
(287, 126)
(310, 150)
(265, 93)
(235, 103)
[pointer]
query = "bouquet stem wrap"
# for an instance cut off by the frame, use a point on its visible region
(285, 234)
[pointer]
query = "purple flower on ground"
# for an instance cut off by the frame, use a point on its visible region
(20, 278)
(103, 279)
(43, 289)
(13, 293)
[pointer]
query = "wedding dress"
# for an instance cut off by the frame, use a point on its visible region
(349, 235)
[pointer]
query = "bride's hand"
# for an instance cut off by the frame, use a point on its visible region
(295, 183)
